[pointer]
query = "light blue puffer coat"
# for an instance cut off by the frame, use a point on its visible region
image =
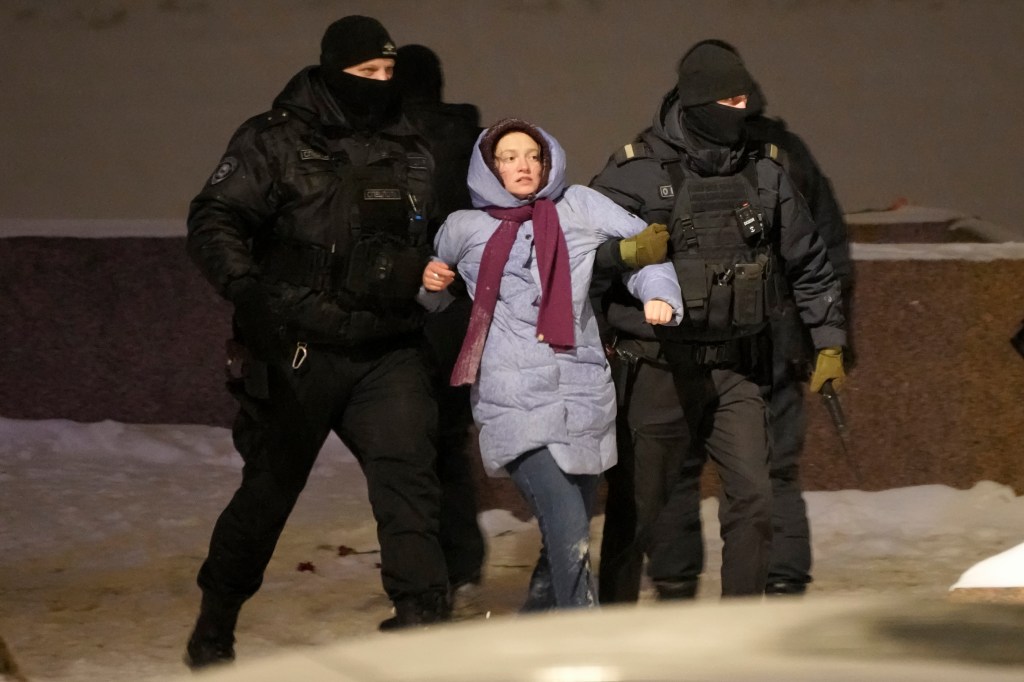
(528, 396)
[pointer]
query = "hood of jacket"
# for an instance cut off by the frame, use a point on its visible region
(704, 158)
(485, 189)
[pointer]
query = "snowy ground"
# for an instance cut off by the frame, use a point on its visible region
(104, 526)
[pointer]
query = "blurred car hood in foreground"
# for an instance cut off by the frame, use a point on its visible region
(793, 640)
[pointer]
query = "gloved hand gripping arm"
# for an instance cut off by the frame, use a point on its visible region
(647, 247)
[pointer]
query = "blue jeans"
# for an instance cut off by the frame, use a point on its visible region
(562, 504)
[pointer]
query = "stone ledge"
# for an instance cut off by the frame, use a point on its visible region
(126, 329)
(988, 595)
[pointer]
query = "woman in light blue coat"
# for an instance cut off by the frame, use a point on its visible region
(542, 393)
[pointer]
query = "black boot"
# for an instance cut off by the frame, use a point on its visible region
(213, 638)
(785, 588)
(674, 590)
(466, 600)
(419, 611)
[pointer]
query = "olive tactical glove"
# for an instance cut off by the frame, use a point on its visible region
(645, 248)
(829, 367)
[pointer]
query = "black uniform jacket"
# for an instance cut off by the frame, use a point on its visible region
(814, 185)
(279, 183)
(789, 333)
(638, 185)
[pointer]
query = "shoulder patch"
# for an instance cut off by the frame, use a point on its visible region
(770, 151)
(225, 168)
(632, 151)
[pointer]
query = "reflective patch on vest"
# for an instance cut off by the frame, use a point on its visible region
(666, 191)
(227, 166)
(382, 195)
(312, 154)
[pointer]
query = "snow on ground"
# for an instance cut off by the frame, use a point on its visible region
(105, 525)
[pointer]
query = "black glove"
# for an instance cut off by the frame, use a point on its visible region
(260, 327)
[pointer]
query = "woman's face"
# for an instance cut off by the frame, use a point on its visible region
(517, 156)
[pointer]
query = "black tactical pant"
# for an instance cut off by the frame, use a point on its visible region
(381, 405)
(791, 539)
(652, 435)
(649, 445)
(727, 422)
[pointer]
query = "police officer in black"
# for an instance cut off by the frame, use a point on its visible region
(451, 131)
(741, 235)
(314, 226)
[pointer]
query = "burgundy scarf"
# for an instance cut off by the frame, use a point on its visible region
(555, 324)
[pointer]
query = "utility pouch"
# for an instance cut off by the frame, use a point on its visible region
(383, 269)
(621, 374)
(748, 294)
(386, 261)
(244, 372)
(694, 284)
(719, 305)
(246, 379)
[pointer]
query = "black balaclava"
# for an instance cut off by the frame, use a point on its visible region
(367, 103)
(418, 74)
(710, 71)
(716, 123)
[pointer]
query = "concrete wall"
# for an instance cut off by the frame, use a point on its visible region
(118, 109)
(123, 329)
(126, 329)
(936, 396)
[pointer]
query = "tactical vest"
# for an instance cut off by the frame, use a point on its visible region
(723, 253)
(372, 251)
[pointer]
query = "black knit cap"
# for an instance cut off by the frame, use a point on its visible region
(710, 71)
(353, 40)
(515, 125)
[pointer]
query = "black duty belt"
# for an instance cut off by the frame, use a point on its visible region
(733, 352)
(727, 353)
